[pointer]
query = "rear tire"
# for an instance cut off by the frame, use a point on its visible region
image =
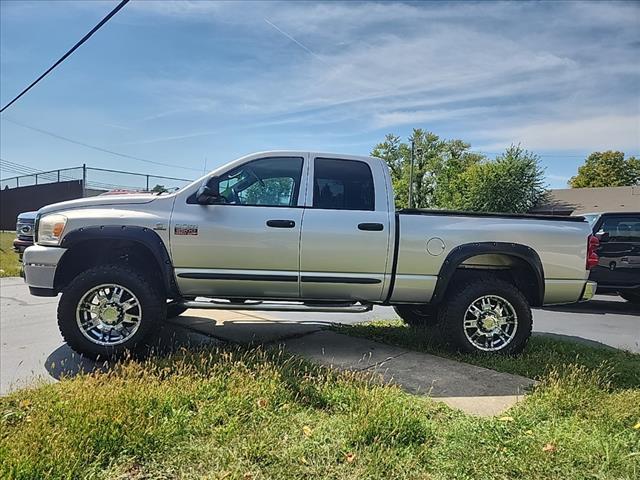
(631, 296)
(418, 316)
(485, 314)
(109, 310)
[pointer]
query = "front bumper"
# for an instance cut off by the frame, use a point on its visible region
(39, 264)
(20, 245)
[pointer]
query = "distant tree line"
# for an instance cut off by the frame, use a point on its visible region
(447, 174)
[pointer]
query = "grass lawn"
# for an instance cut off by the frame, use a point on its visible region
(254, 414)
(9, 265)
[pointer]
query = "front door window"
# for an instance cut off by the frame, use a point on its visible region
(273, 182)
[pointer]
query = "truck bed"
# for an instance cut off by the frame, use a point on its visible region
(426, 238)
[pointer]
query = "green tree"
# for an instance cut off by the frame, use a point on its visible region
(447, 175)
(607, 169)
(159, 189)
(437, 163)
(513, 182)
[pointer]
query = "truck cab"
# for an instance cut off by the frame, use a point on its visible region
(289, 228)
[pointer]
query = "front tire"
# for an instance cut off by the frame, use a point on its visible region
(633, 297)
(486, 314)
(108, 310)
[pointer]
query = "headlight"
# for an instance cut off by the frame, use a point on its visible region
(50, 228)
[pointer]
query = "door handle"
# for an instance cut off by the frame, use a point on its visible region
(372, 227)
(281, 223)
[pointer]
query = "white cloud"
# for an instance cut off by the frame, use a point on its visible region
(607, 132)
(558, 75)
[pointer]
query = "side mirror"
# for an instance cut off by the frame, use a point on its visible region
(603, 237)
(208, 194)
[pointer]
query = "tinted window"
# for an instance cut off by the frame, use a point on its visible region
(621, 229)
(269, 182)
(342, 185)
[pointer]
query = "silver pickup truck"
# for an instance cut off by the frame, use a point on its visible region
(300, 231)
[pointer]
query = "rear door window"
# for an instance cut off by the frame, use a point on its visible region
(342, 185)
(621, 229)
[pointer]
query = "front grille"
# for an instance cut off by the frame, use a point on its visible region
(24, 230)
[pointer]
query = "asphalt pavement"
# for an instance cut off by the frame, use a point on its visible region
(31, 348)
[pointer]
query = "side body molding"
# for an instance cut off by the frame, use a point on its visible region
(463, 252)
(141, 235)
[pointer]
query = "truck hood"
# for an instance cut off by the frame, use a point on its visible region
(99, 201)
(27, 216)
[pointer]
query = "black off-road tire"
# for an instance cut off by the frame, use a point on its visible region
(418, 316)
(631, 296)
(175, 310)
(459, 297)
(152, 302)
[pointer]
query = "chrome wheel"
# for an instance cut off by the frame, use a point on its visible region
(490, 323)
(109, 314)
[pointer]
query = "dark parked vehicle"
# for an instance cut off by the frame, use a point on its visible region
(24, 232)
(618, 270)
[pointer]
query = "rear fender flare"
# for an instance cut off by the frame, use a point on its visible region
(463, 252)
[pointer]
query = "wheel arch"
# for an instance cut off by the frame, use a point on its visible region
(139, 247)
(518, 263)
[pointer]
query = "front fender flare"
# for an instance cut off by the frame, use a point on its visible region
(141, 235)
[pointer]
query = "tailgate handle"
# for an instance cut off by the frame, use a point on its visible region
(281, 223)
(371, 227)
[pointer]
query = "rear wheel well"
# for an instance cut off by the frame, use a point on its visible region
(510, 268)
(90, 253)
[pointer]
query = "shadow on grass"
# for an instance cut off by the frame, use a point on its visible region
(544, 352)
(63, 362)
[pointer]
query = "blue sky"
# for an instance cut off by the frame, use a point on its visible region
(181, 82)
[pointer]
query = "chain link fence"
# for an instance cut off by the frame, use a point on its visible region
(98, 180)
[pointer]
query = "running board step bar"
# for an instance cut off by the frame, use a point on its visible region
(279, 307)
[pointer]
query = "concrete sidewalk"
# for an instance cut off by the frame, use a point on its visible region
(475, 390)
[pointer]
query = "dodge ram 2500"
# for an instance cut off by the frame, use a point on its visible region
(304, 232)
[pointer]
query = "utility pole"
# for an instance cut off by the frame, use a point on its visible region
(84, 180)
(411, 175)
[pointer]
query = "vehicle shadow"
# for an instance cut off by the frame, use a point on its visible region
(599, 306)
(63, 362)
(246, 330)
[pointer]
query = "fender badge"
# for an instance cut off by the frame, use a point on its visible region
(160, 226)
(186, 229)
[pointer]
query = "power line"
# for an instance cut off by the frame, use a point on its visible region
(73, 49)
(7, 164)
(20, 166)
(16, 168)
(26, 171)
(94, 147)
